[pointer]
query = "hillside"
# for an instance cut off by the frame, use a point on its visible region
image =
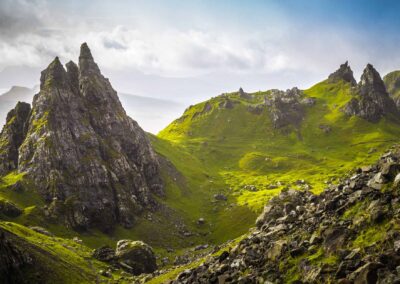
(347, 234)
(87, 177)
(392, 83)
(242, 145)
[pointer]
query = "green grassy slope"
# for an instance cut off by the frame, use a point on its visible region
(392, 83)
(240, 153)
(55, 260)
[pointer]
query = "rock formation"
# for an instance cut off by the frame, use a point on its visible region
(343, 73)
(371, 101)
(92, 163)
(135, 257)
(286, 108)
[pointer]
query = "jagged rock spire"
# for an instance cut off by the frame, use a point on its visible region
(372, 101)
(343, 73)
(371, 80)
(86, 61)
(54, 74)
(91, 162)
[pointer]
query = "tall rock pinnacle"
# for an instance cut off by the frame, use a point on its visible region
(372, 101)
(91, 162)
(87, 65)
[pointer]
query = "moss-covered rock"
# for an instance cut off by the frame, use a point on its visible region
(81, 152)
(135, 257)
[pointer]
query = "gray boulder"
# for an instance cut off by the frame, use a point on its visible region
(136, 257)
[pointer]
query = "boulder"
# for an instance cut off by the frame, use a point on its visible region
(220, 197)
(136, 257)
(366, 274)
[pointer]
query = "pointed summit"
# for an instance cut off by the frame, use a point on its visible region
(54, 74)
(373, 101)
(343, 73)
(370, 79)
(85, 51)
(86, 62)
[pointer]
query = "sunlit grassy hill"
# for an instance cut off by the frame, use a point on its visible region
(237, 151)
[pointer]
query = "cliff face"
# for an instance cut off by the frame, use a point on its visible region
(86, 157)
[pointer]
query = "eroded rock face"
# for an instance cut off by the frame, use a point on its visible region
(343, 73)
(85, 156)
(12, 136)
(286, 107)
(136, 257)
(372, 101)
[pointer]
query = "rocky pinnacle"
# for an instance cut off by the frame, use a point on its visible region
(343, 73)
(371, 100)
(92, 164)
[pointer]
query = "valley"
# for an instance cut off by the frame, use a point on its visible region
(77, 178)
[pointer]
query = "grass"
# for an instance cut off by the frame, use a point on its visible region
(241, 154)
(212, 150)
(59, 260)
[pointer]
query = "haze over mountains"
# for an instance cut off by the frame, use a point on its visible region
(152, 114)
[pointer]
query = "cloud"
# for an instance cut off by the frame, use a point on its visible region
(32, 34)
(20, 16)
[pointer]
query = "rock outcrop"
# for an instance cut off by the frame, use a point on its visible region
(343, 73)
(286, 107)
(12, 136)
(136, 257)
(371, 102)
(347, 234)
(92, 163)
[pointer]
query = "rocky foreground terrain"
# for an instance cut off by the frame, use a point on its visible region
(347, 234)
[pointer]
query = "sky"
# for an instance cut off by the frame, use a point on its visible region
(188, 51)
